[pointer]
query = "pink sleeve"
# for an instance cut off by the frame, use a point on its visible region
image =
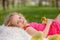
(55, 28)
(37, 26)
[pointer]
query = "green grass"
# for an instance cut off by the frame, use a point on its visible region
(32, 13)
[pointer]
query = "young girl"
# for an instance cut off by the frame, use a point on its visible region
(18, 20)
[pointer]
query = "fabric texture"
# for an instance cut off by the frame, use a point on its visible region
(37, 26)
(13, 33)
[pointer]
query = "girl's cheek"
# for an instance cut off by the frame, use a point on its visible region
(20, 25)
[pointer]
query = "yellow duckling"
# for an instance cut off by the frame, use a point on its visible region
(44, 19)
(37, 36)
(54, 37)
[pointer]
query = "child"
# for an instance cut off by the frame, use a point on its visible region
(18, 20)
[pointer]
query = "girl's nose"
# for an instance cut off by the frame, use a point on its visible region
(21, 21)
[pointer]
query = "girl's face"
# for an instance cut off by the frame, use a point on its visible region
(19, 21)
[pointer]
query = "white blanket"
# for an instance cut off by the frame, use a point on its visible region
(13, 33)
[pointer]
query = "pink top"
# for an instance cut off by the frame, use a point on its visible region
(54, 27)
(37, 26)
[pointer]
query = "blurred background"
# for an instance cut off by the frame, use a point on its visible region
(33, 10)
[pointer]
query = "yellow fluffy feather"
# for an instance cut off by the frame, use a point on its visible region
(44, 19)
(54, 37)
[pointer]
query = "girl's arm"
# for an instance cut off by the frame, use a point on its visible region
(31, 30)
(46, 30)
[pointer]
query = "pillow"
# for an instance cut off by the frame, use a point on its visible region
(13, 33)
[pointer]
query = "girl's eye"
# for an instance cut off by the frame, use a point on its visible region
(19, 17)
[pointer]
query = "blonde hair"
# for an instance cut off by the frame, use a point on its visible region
(8, 20)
